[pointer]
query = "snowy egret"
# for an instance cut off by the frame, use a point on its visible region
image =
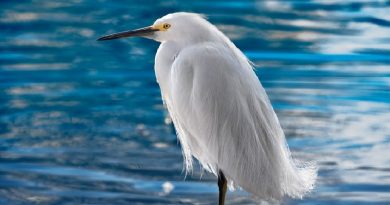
(220, 110)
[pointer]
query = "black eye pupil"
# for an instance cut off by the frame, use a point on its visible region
(166, 26)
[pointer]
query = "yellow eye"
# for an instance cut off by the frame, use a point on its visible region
(166, 26)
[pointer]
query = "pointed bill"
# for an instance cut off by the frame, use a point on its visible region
(142, 32)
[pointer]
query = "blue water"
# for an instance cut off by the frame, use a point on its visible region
(82, 122)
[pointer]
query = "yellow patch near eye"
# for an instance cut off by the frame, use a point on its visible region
(162, 27)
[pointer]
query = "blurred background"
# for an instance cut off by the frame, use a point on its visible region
(82, 122)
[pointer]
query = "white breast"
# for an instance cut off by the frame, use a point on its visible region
(165, 57)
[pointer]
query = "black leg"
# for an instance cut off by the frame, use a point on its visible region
(222, 185)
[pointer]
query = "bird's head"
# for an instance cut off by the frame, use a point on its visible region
(172, 27)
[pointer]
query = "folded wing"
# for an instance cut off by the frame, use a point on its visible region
(224, 119)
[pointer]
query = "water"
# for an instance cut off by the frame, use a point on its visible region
(82, 122)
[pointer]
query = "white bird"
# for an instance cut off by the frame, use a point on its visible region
(220, 110)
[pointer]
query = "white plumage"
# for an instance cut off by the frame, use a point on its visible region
(221, 112)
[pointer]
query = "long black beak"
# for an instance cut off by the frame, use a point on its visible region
(138, 32)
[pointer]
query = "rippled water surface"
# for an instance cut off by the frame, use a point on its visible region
(82, 122)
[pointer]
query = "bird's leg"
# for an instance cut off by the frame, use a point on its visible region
(222, 185)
